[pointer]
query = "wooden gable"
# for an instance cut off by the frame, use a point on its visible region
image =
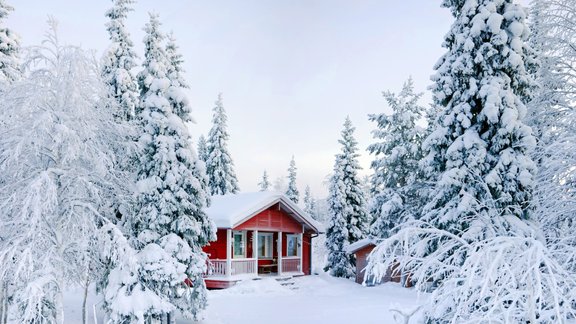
(273, 218)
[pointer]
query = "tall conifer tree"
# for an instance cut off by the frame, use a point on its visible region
(265, 183)
(191, 222)
(396, 156)
(202, 149)
(170, 226)
(219, 165)
(479, 147)
(309, 203)
(292, 191)
(119, 60)
(347, 207)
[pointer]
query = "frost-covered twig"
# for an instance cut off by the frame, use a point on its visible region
(403, 316)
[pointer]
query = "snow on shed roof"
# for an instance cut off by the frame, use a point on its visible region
(354, 247)
(229, 211)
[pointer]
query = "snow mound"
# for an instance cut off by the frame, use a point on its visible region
(268, 286)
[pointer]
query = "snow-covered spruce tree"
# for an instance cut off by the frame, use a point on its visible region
(53, 204)
(347, 206)
(200, 169)
(292, 190)
(395, 192)
(309, 203)
(192, 223)
(219, 165)
(202, 149)
(119, 60)
(338, 262)
(264, 185)
(480, 145)
(9, 49)
(170, 226)
(356, 206)
(178, 99)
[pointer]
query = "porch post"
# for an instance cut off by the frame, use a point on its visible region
(300, 244)
(228, 252)
(279, 253)
(255, 250)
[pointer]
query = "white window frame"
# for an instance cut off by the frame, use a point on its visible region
(288, 238)
(243, 244)
(268, 245)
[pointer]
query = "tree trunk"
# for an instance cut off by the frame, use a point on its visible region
(84, 312)
(6, 303)
(170, 318)
(59, 307)
(3, 303)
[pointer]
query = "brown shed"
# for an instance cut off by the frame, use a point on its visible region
(361, 249)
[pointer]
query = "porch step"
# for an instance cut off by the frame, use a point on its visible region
(288, 282)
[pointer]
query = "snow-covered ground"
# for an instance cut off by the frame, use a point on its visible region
(312, 299)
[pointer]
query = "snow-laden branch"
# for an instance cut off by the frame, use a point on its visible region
(503, 279)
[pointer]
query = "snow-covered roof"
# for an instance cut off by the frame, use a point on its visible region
(358, 245)
(229, 211)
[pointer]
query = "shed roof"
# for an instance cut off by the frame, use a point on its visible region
(229, 211)
(358, 245)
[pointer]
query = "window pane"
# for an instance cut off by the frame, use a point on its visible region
(269, 246)
(238, 245)
(265, 245)
(261, 246)
(292, 246)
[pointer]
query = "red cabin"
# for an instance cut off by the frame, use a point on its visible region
(259, 234)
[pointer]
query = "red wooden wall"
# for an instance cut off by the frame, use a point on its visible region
(362, 261)
(273, 220)
(306, 252)
(217, 249)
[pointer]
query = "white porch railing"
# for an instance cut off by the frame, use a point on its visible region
(243, 266)
(291, 264)
(217, 267)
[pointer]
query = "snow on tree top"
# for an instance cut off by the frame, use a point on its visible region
(229, 211)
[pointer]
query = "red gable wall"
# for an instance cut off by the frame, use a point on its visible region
(217, 249)
(272, 219)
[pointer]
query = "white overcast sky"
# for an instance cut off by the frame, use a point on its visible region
(290, 71)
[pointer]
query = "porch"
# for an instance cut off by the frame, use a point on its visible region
(249, 267)
(254, 253)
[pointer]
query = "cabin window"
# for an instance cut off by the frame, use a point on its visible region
(265, 245)
(292, 245)
(239, 247)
